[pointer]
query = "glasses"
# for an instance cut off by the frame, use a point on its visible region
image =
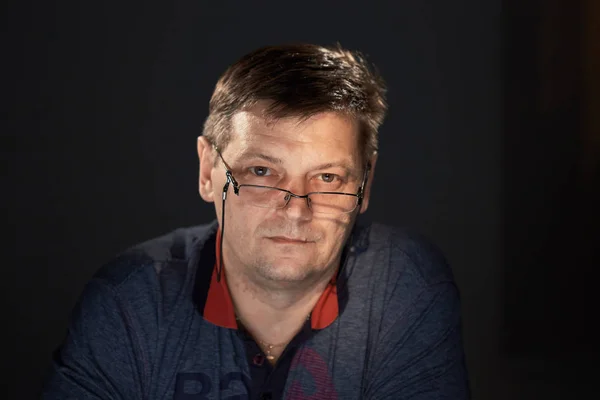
(330, 203)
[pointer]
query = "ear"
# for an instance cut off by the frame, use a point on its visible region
(367, 193)
(206, 163)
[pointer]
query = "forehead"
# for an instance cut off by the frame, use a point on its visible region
(322, 136)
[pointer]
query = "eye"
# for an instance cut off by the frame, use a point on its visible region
(329, 178)
(260, 171)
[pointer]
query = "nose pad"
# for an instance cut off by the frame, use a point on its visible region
(288, 197)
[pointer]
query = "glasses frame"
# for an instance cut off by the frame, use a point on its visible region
(236, 190)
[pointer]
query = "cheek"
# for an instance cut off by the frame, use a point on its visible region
(335, 233)
(244, 220)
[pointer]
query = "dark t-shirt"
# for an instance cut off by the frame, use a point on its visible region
(388, 327)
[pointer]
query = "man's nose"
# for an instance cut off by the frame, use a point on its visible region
(298, 208)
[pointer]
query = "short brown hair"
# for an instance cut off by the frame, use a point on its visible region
(300, 80)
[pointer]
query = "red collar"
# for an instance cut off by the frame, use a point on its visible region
(219, 310)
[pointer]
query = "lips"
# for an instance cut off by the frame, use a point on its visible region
(289, 240)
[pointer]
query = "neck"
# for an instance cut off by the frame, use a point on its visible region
(273, 315)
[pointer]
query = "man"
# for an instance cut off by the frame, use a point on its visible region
(284, 296)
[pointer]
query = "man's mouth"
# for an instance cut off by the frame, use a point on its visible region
(288, 240)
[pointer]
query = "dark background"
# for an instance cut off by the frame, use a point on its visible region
(490, 147)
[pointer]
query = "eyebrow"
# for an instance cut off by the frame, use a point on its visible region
(262, 156)
(341, 164)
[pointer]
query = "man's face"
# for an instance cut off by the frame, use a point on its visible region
(292, 244)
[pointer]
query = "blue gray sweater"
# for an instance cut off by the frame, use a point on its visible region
(138, 330)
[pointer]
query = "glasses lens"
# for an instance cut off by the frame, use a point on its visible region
(264, 197)
(320, 203)
(332, 203)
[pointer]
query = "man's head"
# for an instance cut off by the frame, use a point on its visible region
(302, 118)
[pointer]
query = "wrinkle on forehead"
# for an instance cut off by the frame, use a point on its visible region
(334, 130)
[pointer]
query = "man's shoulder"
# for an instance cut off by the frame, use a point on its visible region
(171, 250)
(410, 253)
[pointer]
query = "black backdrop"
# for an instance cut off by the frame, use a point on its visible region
(106, 101)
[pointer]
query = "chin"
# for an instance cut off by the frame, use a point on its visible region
(285, 270)
(283, 277)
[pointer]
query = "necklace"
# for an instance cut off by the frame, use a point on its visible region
(268, 346)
